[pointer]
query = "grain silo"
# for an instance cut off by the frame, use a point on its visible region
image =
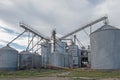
(37, 61)
(8, 58)
(57, 59)
(26, 60)
(105, 48)
(45, 52)
(76, 57)
(68, 60)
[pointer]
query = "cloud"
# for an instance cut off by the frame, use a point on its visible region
(62, 15)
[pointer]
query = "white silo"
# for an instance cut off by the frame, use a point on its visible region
(68, 62)
(105, 48)
(45, 52)
(8, 58)
(57, 59)
(76, 57)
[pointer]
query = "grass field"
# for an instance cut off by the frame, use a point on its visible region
(28, 73)
(96, 74)
(73, 73)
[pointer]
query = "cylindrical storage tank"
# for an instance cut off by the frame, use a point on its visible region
(45, 52)
(68, 60)
(37, 61)
(74, 50)
(57, 59)
(26, 60)
(76, 55)
(8, 58)
(89, 56)
(105, 48)
(60, 47)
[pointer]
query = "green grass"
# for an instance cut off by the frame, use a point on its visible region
(28, 73)
(94, 73)
(73, 73)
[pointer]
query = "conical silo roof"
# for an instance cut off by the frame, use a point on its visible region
(105, 27)
(25, 52)
(8, 48)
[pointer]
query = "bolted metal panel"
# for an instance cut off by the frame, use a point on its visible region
(57, 59)
(26, 60)
(105, 48)
(60, 47)
(45, 52)
(8, 58)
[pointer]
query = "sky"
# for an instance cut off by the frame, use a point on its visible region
(45, 15)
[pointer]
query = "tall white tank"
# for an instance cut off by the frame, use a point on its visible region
(45, 52)
(60, 47)
(68, 62)
(8, 58)
(76, 57)
(57, 59)
(105, 48)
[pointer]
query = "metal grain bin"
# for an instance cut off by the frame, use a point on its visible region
(68, 62)
(37, 61)
(45, 51)
(76, 55)
(57, 59)
(26, 60)
(105, 48)
(8, 58)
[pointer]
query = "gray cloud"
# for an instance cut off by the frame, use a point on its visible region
(62, 15)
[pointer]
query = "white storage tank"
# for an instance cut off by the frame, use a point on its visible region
(89, 56)
(8, 58)
(45, 52)
(105, 48)
(76, 57)
(57, 59)
(26, 60)
(60, 47)
(68, 60)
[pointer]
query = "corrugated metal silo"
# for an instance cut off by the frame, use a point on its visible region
(8, 58)
(76, 57)
(89, 56)
(68, 60)
(37, 61)
(105, 48)
(57, 59)
(45, 52)
(26, 60)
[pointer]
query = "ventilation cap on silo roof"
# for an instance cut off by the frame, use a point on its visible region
(8, 48)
